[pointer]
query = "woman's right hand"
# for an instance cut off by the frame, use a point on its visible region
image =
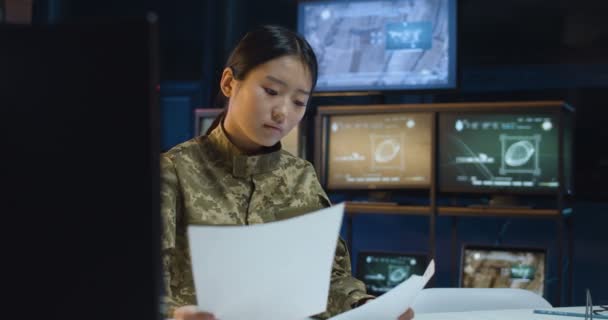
(191, 313)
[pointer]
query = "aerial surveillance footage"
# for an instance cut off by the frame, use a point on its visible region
(501, 268)
(376, 45)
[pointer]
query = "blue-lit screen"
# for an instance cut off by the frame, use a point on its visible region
(382, 45)
(382, 271)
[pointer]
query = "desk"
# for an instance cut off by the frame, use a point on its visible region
(514, 314)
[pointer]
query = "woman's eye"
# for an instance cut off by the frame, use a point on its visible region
(270, 91)
(299, 103)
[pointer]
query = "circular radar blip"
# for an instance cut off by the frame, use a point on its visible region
(386, 151)
(397, 275)
(519, 153)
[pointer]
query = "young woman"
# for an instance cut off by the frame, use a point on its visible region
(237, 172)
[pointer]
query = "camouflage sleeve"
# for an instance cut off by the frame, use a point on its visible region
(344, 289)
(169, 213)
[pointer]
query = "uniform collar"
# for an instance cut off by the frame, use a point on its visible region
(244, 165)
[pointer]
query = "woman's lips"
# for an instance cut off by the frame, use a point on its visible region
(273, 128)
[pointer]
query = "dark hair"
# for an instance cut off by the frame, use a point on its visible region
(260, 46)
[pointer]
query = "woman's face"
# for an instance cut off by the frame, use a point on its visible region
(267, 104)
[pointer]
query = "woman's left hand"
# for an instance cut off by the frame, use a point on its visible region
(407, 315)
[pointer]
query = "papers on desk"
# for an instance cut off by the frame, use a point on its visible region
(277, 270)
(393, 303)
(511, 314)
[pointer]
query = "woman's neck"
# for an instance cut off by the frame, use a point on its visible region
(238, 139)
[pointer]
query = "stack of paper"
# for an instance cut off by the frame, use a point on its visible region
(392, 304)
(280, 270)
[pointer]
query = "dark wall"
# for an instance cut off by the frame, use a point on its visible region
(182, 27)
(533, 32)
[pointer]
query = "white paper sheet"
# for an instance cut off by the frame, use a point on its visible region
(392, 304)
(277, 270)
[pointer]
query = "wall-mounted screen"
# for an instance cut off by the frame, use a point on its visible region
(379, 151)
(511, 152)
(382, 45)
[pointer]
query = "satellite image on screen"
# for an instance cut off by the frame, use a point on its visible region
(498, 151)
(379, 151)
(375, 45)
(499, 268)
(382, 272)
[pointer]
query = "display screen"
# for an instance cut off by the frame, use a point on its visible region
(291, 142)
(383, 271)
(203, 119)
(205, 123)
(503, 268)
(378, 151)
(381, 45)
(510, 152)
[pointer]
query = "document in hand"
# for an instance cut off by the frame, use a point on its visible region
(392, 304)
(276, 270)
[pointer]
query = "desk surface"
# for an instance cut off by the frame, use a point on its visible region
(515, 314)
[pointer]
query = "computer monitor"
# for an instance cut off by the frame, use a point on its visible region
(203, 118)
(292, 142)
(79, 134)
(378, 150)
(382, 271)
(500, 267)
(506, 152)
(372, 45)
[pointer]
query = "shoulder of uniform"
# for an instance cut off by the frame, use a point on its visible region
(289, 160)
(185, 148)
(306, 168)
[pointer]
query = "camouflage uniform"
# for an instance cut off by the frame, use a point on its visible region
(208, 181)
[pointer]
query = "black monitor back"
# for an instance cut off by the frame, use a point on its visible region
(79, 139)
